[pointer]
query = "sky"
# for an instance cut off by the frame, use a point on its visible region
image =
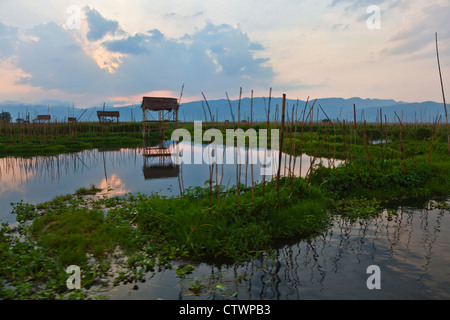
(89, 52)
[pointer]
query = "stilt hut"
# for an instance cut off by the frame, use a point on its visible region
(108, 116)
(158, 111)
(42, 118)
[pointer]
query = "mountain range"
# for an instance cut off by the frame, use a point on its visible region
(333, 108)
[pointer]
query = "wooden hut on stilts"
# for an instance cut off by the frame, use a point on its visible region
(157, 113)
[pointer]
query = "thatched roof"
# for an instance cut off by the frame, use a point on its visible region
(156, 104)
(43, 117)
(108, 114)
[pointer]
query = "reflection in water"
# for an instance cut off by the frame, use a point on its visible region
(410, 250)
(149, 169)
(45, 169)
(40, 179)
(112, 187)
(158, 162)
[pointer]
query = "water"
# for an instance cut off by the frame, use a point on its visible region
(39, 179)
(411, 249)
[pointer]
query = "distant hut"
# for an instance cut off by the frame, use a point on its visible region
(42, 118)
(108, 116)
(326, 121)
(72, 120)
(20, 120)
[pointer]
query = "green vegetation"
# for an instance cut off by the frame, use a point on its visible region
(56, 138)
(235, 231)
(119, 240)
(87, 191)
(75, 233)
(5, 116)
(150, 232)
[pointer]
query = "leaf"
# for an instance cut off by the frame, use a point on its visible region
(221, 287)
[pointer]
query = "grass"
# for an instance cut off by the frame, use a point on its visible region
(233, 231)
(57, 138)
(75, 234)
(149, 232)
(92, 190)
(144, 233)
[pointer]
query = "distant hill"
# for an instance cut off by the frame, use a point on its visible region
(408, 112)
(334, 107)
(366, 109)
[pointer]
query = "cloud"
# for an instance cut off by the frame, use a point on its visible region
(357, 4)
(231, 49)
(8, 40)
(196, 14)
(217, 56)
(211, 59)
(360, 6)
(99, 26)
(55, 60)
(418, 29)
(340, 27)
(255, 46)
(137, 44)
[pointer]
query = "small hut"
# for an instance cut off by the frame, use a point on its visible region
(72, 120)
(108, 116)
(21, 121)
(42, 118)
(159, 110)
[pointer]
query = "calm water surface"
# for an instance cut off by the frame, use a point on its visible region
(412, 248)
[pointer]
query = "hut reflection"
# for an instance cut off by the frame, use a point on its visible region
(158, 162)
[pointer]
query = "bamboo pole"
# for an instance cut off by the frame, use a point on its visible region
(251, 154)
(209, 109)
(443, 95)
(381, 135)
(267, 126)
(301, 134)
(354, 119)
(231, 110)
(238, 166)
(401, 145)
(294, 146)
(281, 144)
